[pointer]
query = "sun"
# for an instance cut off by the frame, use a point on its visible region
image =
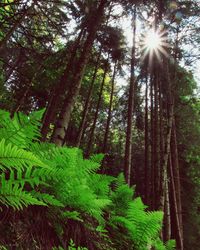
(152, 40)
(154, 43)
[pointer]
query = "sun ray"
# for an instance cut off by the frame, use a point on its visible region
(154, 45)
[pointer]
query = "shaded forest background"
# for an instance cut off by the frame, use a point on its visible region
(71, 79)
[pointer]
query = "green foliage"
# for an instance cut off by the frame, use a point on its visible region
(74, 194)
(187, 108)
(143, 227)
(19, 166)
(22, 129)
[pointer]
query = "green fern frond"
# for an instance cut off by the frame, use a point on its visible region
(74, 215)
(47, 199)
(148, 224)
(98, 158)
(13, 195)
(122, 221)
(21, 130)
(24, 177)
(170, 245)
(121, 197)
(120, 181)
(101, 184)
(159, 245)
(14, 157)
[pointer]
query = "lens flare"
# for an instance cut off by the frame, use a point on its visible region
(154, 43)
(152, 40)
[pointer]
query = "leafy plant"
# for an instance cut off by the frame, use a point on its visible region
(66, 196)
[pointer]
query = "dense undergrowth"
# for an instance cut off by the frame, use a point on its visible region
(53, 198)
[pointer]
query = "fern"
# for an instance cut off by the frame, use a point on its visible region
(21, 130)
(47, 199)
(59, 178)
(14, 157)
(12, 194)
(121, 197)
(143, 227)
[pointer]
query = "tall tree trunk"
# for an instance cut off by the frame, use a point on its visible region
(152, 144)
(147, 170)
(179, 238)
(87, 102)
(156, 141)
(104, 148)
(174, 146)
(91, 138)
(128, 146)
(176, 174)
(58, 91)
(167, 214)
(164, 163)
(69, 102)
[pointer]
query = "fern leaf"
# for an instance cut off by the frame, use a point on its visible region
(14, 157)
(21, 130)
(98, 158)
(13, 195)
(47, 199)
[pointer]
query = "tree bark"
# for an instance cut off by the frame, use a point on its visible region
(179, 238)
(128, 146)
(97, 111)
(69, 102)
(87, 102)
(147, 170)
(104, 148)
(164, 164)
(176, 174)
(58, 91)
(167, 214)
(152, 144)
(156, 142)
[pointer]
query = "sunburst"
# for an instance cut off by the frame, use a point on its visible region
(154, 44)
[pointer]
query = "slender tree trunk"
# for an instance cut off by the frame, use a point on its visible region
(175, 158)
(87, 102)
(170, 106)
(156, 143)
(104, 148)
(128, 146)
(91, 138)
(69, 102)
(152, 145)
(176, 174)
(165, 162)
(147, 170)
(58, 91)
(161, 130)
(167, 214)
(175, 206)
